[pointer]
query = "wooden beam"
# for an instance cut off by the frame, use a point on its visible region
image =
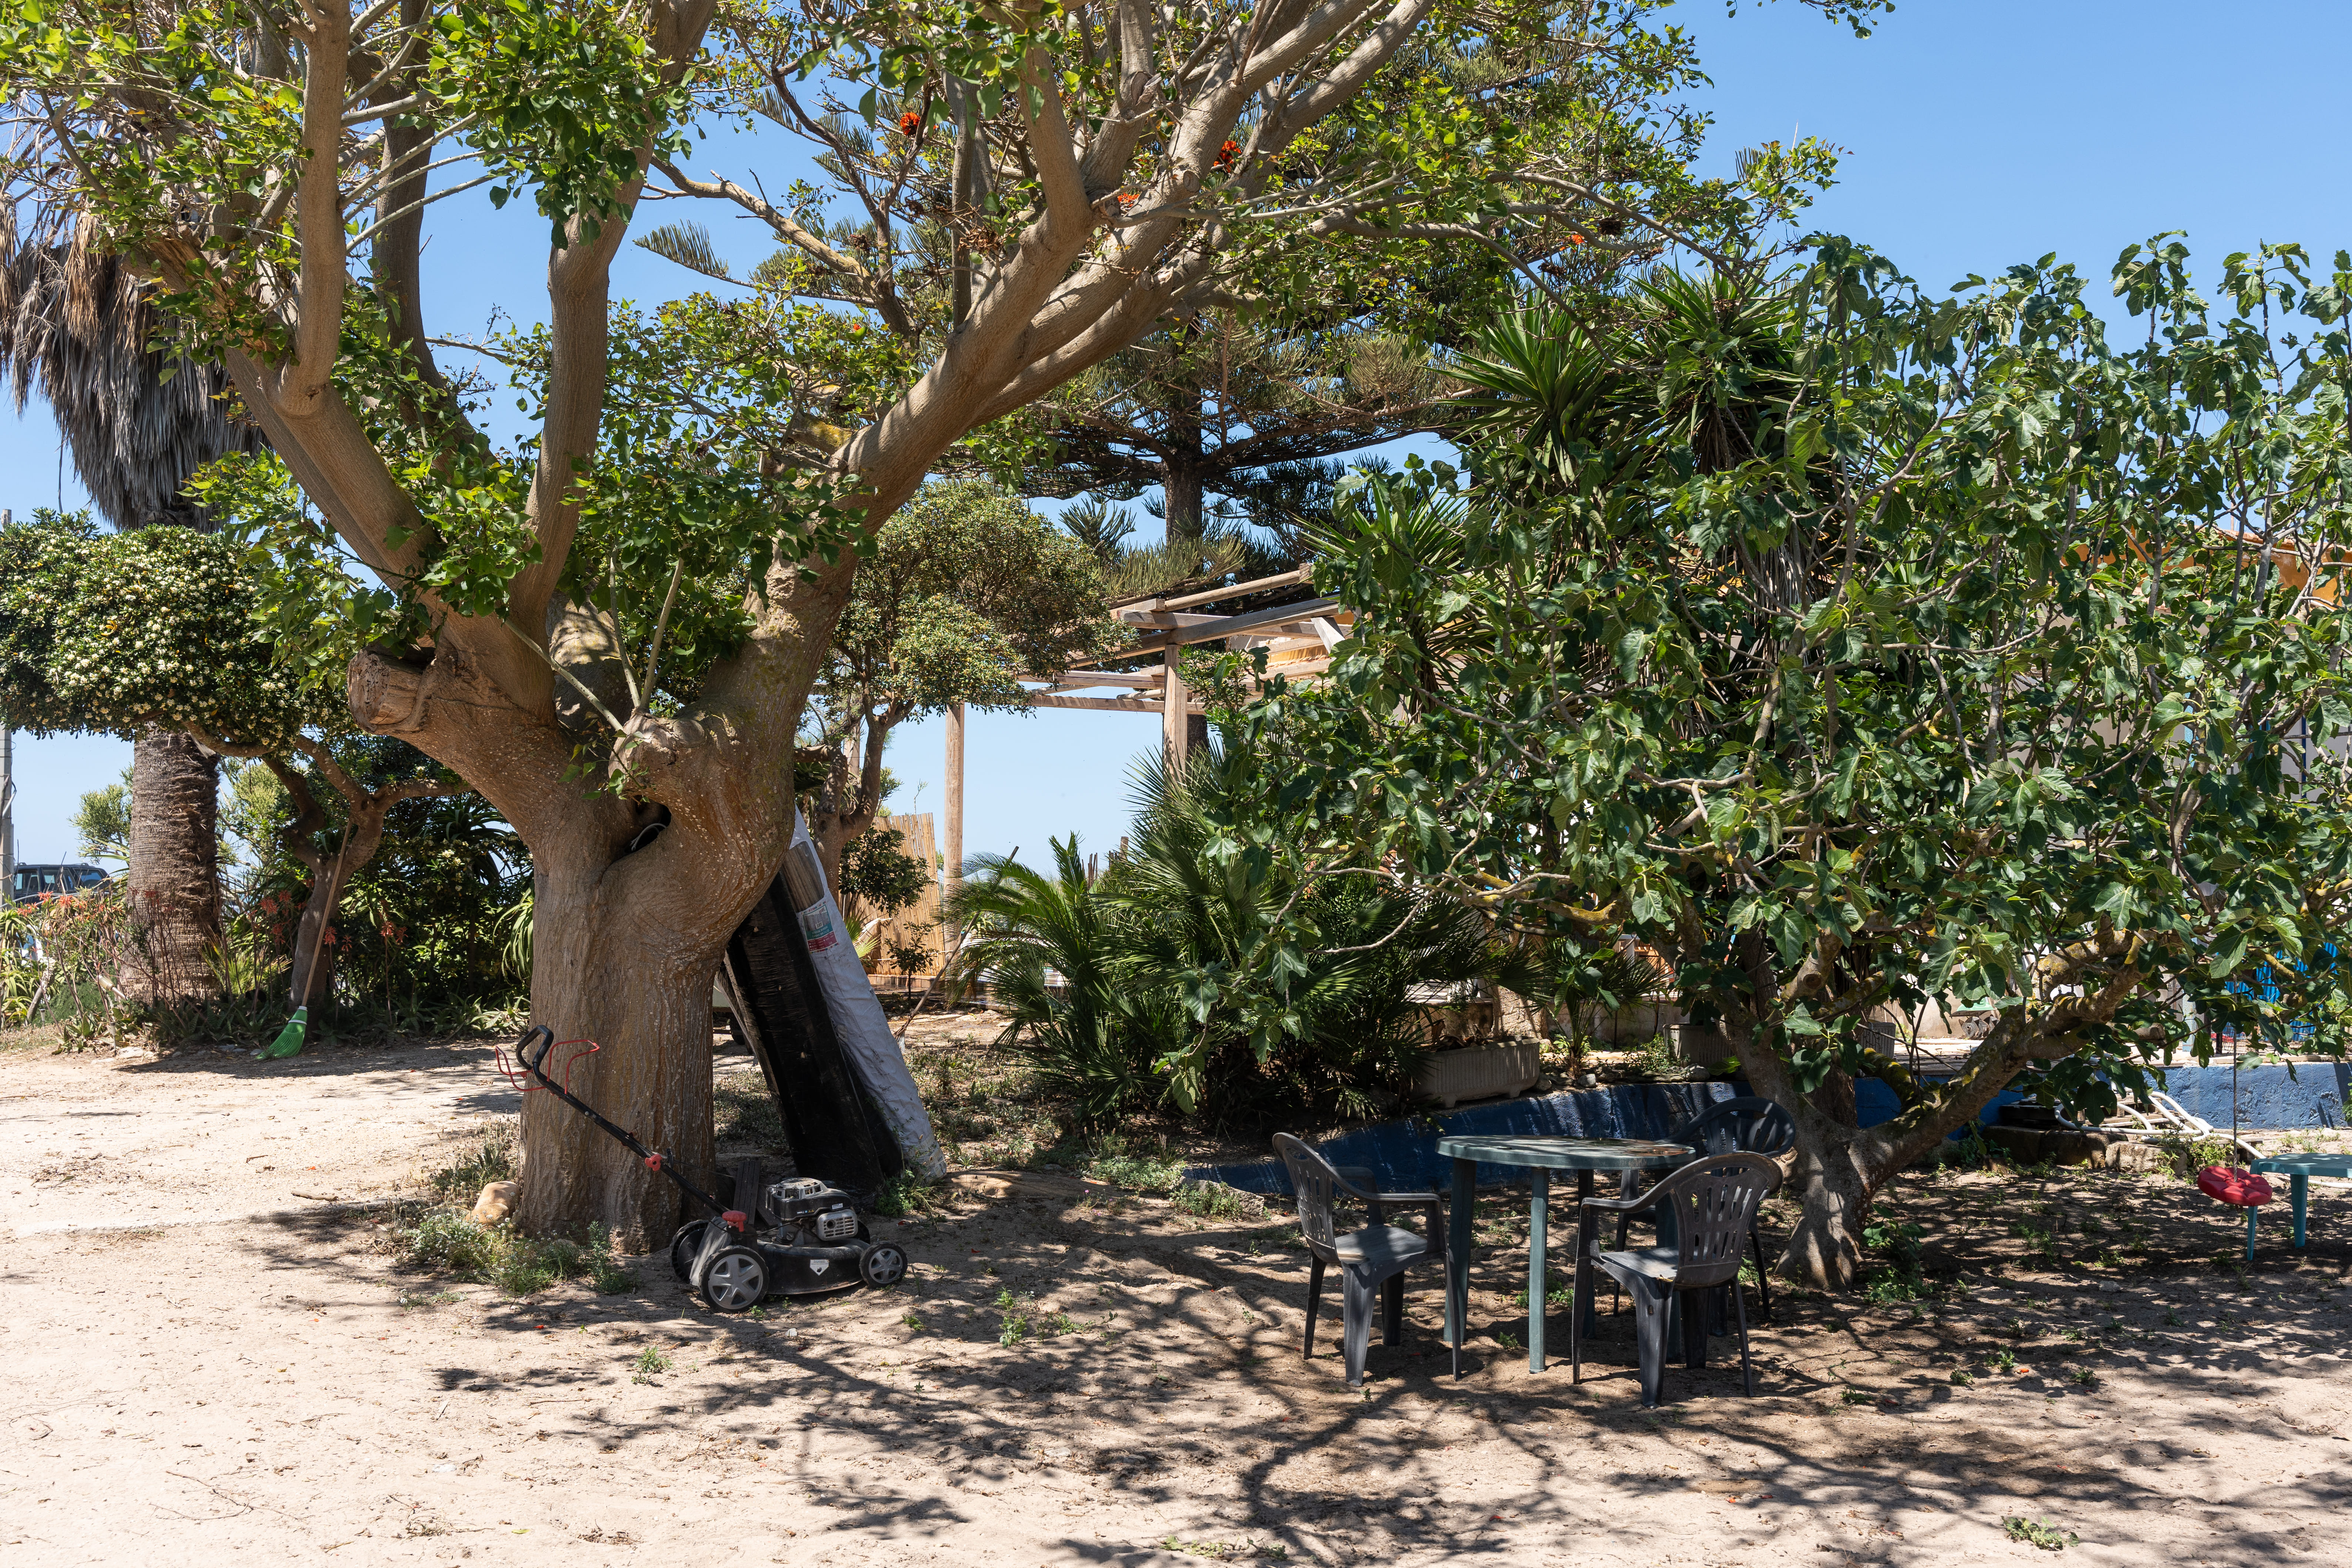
(1152, 615)
(1303, 613)
(1281, 580)
(954, 855)
(1175, 727)
(1103, 704)
(1210, 596)
(1143, 680)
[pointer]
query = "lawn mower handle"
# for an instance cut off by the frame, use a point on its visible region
(545, 1038)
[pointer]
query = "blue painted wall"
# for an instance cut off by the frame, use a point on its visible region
(2306, 1095)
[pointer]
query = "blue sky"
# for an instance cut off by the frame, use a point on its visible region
(1978, 133)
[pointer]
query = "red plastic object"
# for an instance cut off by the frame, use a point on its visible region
(735, 1219)
(2239, 1189)
(653, 1162)
(515, 1075)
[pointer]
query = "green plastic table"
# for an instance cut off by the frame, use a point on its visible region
(1540, 1156)
(2298, 1169)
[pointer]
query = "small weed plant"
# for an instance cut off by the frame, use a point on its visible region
(1015, 1323)
(1559, 1291)
(2034, 1532)
(650, 1363)
(1902, 1281)
(491, 1159)
(1228, 1551)
(446, 1240)
(1136, 1168)
(906, 1196)
(1655, 1059)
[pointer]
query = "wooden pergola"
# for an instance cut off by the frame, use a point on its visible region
(1298, 639)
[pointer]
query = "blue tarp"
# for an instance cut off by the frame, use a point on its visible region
(1403, 1154)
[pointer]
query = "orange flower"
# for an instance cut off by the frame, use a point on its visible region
(1576, 239)
(909, 122)
(1227, 153)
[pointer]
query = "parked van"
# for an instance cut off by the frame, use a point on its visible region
(38, 881)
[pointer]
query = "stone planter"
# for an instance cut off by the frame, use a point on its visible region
(1481, 1072)
(1631, 1025)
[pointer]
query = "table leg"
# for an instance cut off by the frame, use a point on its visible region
(1539, 1214)
(1457, 1257)
(2300, 1186)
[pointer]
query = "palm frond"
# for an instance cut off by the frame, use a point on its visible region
(689, 245)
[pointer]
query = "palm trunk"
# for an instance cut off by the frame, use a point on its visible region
(174, 877)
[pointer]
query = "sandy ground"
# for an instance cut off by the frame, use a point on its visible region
(199, 1388)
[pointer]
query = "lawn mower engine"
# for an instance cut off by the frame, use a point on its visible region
(805, 1239)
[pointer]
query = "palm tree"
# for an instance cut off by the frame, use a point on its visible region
(74, 323)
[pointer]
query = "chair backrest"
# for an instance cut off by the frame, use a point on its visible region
(1749, 1124)
(1318, 1187)
(1715, 1199)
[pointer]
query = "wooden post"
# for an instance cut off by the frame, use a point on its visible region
(1175, 729)
(7, 815)
(954, 845)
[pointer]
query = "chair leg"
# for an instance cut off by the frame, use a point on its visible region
(1580, 1282)
(1314, 1302)
(1694, 1305)
(1650, 1300)
(1747, 1367)
(1393, 1320)
(1755, 1240)
(1360, 1297)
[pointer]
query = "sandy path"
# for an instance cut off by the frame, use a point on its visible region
(201, 1136)
(274, 1389)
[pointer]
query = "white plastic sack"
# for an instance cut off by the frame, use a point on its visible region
(857, 1020)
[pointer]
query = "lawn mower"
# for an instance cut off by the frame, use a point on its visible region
(802, 1236)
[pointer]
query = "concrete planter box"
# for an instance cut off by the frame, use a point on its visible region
(1481, 1072)
(1630, 1025)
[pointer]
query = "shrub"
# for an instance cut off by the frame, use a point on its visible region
(1135, 951)
(444, 1239)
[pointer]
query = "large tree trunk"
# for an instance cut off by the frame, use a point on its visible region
(174, 880)
(626, 977)
(625, 942)
(1839, 1167)
(1835, 1182)
(1182, 492)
